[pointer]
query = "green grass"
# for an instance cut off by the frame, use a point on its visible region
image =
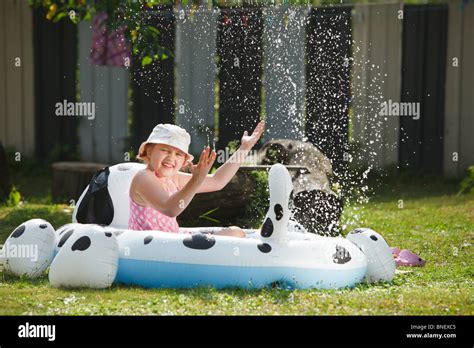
(434, 222)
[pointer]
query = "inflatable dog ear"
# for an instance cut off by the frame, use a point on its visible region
(380, 263)
(275, 225)
(29, 250)
(105, 200)
(88, 257)
(95, 205)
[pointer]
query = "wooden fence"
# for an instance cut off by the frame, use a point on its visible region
(343, 62)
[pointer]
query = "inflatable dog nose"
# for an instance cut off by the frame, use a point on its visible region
(88, 257)
(275, 225)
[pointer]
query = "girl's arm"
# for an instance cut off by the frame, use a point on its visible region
(218, 180)
(156, 196)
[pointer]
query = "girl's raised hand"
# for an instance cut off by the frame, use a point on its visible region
(206, 160)
(248, 141)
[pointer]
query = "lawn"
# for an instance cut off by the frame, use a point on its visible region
(434, 222)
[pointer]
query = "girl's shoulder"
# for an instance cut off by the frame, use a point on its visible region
(140, 180)
(142, 175)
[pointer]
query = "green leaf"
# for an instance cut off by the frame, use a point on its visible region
(59, 16)
(87, 16)
(153, 30)
(146, 60)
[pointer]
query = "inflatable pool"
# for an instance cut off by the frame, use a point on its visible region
(97, 250)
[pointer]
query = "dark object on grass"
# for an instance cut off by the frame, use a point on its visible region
(315, 205)
(5, 185)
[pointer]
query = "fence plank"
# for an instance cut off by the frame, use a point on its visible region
(327, 93)
(87, 92)
(284, 38)
(196, 74)
(118, 116)
(153, 85)
(376, 79)
(27, 81)
(3, 79)
(424, 50)
(239, 39)
(467, 88)
(13, 75)
(55, 52)
(102, 138)
(452, 110)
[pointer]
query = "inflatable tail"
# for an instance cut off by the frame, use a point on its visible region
(275, 225)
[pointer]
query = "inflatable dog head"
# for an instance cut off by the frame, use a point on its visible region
(380, 263)
(29, 249)
(87, 257)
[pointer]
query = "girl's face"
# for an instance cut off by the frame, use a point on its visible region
(166, 160)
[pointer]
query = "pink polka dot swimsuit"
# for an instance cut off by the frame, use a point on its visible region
(146, 218)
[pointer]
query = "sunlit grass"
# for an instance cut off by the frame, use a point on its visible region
(433, 222)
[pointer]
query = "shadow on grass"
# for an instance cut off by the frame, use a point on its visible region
(410, 186)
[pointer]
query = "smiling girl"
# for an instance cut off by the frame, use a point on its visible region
(160, 192)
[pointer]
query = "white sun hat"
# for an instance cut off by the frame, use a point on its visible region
(168, 134)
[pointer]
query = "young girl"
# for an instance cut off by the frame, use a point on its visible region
(160, 192)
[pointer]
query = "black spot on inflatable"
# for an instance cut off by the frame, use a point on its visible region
(81, 244)
(278, 209)
(199, 241)
(264, 248)
(147, 240)
(63, 230)
(357, 230)
(108, 234)
(267, 228)
(18, 232)
(65, 238)
(96, 206)
(341, 256)
(43, 226)
(373, 237)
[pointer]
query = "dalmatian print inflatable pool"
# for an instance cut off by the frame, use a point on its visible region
(97, 250)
